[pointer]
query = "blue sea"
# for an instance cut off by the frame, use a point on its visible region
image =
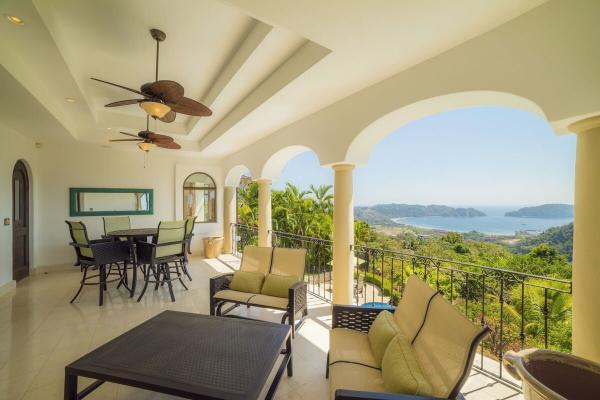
(494, 223)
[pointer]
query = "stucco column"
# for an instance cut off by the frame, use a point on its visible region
(265, 224)
(586, 241)
(228, 217)
(343, 234)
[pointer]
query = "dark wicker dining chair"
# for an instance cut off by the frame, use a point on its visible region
(101, 253)
(163, 258)
(112, 224)
(189, 233)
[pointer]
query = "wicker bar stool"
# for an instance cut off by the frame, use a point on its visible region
(189, 233)
(164, 258)
(101, 253)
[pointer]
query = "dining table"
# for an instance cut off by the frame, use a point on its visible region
(132, 236)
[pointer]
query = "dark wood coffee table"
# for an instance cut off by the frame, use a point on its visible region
(190, 355)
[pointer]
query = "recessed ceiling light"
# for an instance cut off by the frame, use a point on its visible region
(109, 128)
(69, 100)
(14, 19)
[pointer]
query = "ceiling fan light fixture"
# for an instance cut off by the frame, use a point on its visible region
(155, 109)
(145, 146)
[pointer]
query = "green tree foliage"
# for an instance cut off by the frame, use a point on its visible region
(521, 317)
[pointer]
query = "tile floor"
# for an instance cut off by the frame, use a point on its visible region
(40, 332)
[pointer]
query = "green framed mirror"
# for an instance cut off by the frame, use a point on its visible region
(84, 202)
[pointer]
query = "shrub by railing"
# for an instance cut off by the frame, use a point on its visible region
(522, 310)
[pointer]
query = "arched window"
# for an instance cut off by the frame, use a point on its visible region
(200, 197)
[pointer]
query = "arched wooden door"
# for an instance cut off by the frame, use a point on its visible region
(20, 221)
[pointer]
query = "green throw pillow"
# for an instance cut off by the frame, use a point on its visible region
(247, 282)
(278, 285)
(382, 331)
(401, 371)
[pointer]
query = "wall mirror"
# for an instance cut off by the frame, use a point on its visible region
(110, 201)
(200, 197)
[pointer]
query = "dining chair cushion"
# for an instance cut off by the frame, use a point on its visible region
(247, 282)
(382, 331)
(401, 371)
(170, 231)
(112, 224)
(79, 235)
(278, 285)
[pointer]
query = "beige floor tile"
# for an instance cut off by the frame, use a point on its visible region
(41, 333)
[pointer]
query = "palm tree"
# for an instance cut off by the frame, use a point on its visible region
(323, 197)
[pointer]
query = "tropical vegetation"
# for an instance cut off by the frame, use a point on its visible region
(523, 307)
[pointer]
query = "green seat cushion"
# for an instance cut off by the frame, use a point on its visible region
(382, 331)
(247, 282)
(400, 369)
(278, 285)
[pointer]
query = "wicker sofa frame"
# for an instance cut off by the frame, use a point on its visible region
(360, 319)
(297, 301)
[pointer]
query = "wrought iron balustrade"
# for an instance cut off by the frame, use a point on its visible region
(523, 310)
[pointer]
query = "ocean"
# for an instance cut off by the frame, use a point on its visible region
(494, 223)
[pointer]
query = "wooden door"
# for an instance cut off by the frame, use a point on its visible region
(20, 222)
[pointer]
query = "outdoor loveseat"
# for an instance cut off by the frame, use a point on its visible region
(271, 277)
(424, 350)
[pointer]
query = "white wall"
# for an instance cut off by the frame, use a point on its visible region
(15, 147)
(86, 165)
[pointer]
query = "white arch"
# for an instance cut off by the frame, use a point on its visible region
(362, 145)
(274, 165)
(235, 173)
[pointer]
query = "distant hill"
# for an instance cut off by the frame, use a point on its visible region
(543, 211)
(382, 214)
(560, 237)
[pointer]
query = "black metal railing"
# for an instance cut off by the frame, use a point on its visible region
(242, 236)
(522, 310)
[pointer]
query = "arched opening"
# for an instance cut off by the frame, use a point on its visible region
(273, 167)
(236, 174)
(476, 199)
(21, 220)
(361, 147)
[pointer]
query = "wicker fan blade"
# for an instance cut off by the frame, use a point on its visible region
(190, 107)
(130, 134)
(168, 145)
(123, 103)
(122, 87)
(170, 117)
(168, 91)
(126, 140)
(158, 138)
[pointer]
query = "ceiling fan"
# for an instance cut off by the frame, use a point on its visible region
(148, 139)
(161, 99)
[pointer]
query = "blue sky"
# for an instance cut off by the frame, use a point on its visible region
(475, 156)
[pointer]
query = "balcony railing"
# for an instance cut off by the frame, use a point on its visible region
(522, 310)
